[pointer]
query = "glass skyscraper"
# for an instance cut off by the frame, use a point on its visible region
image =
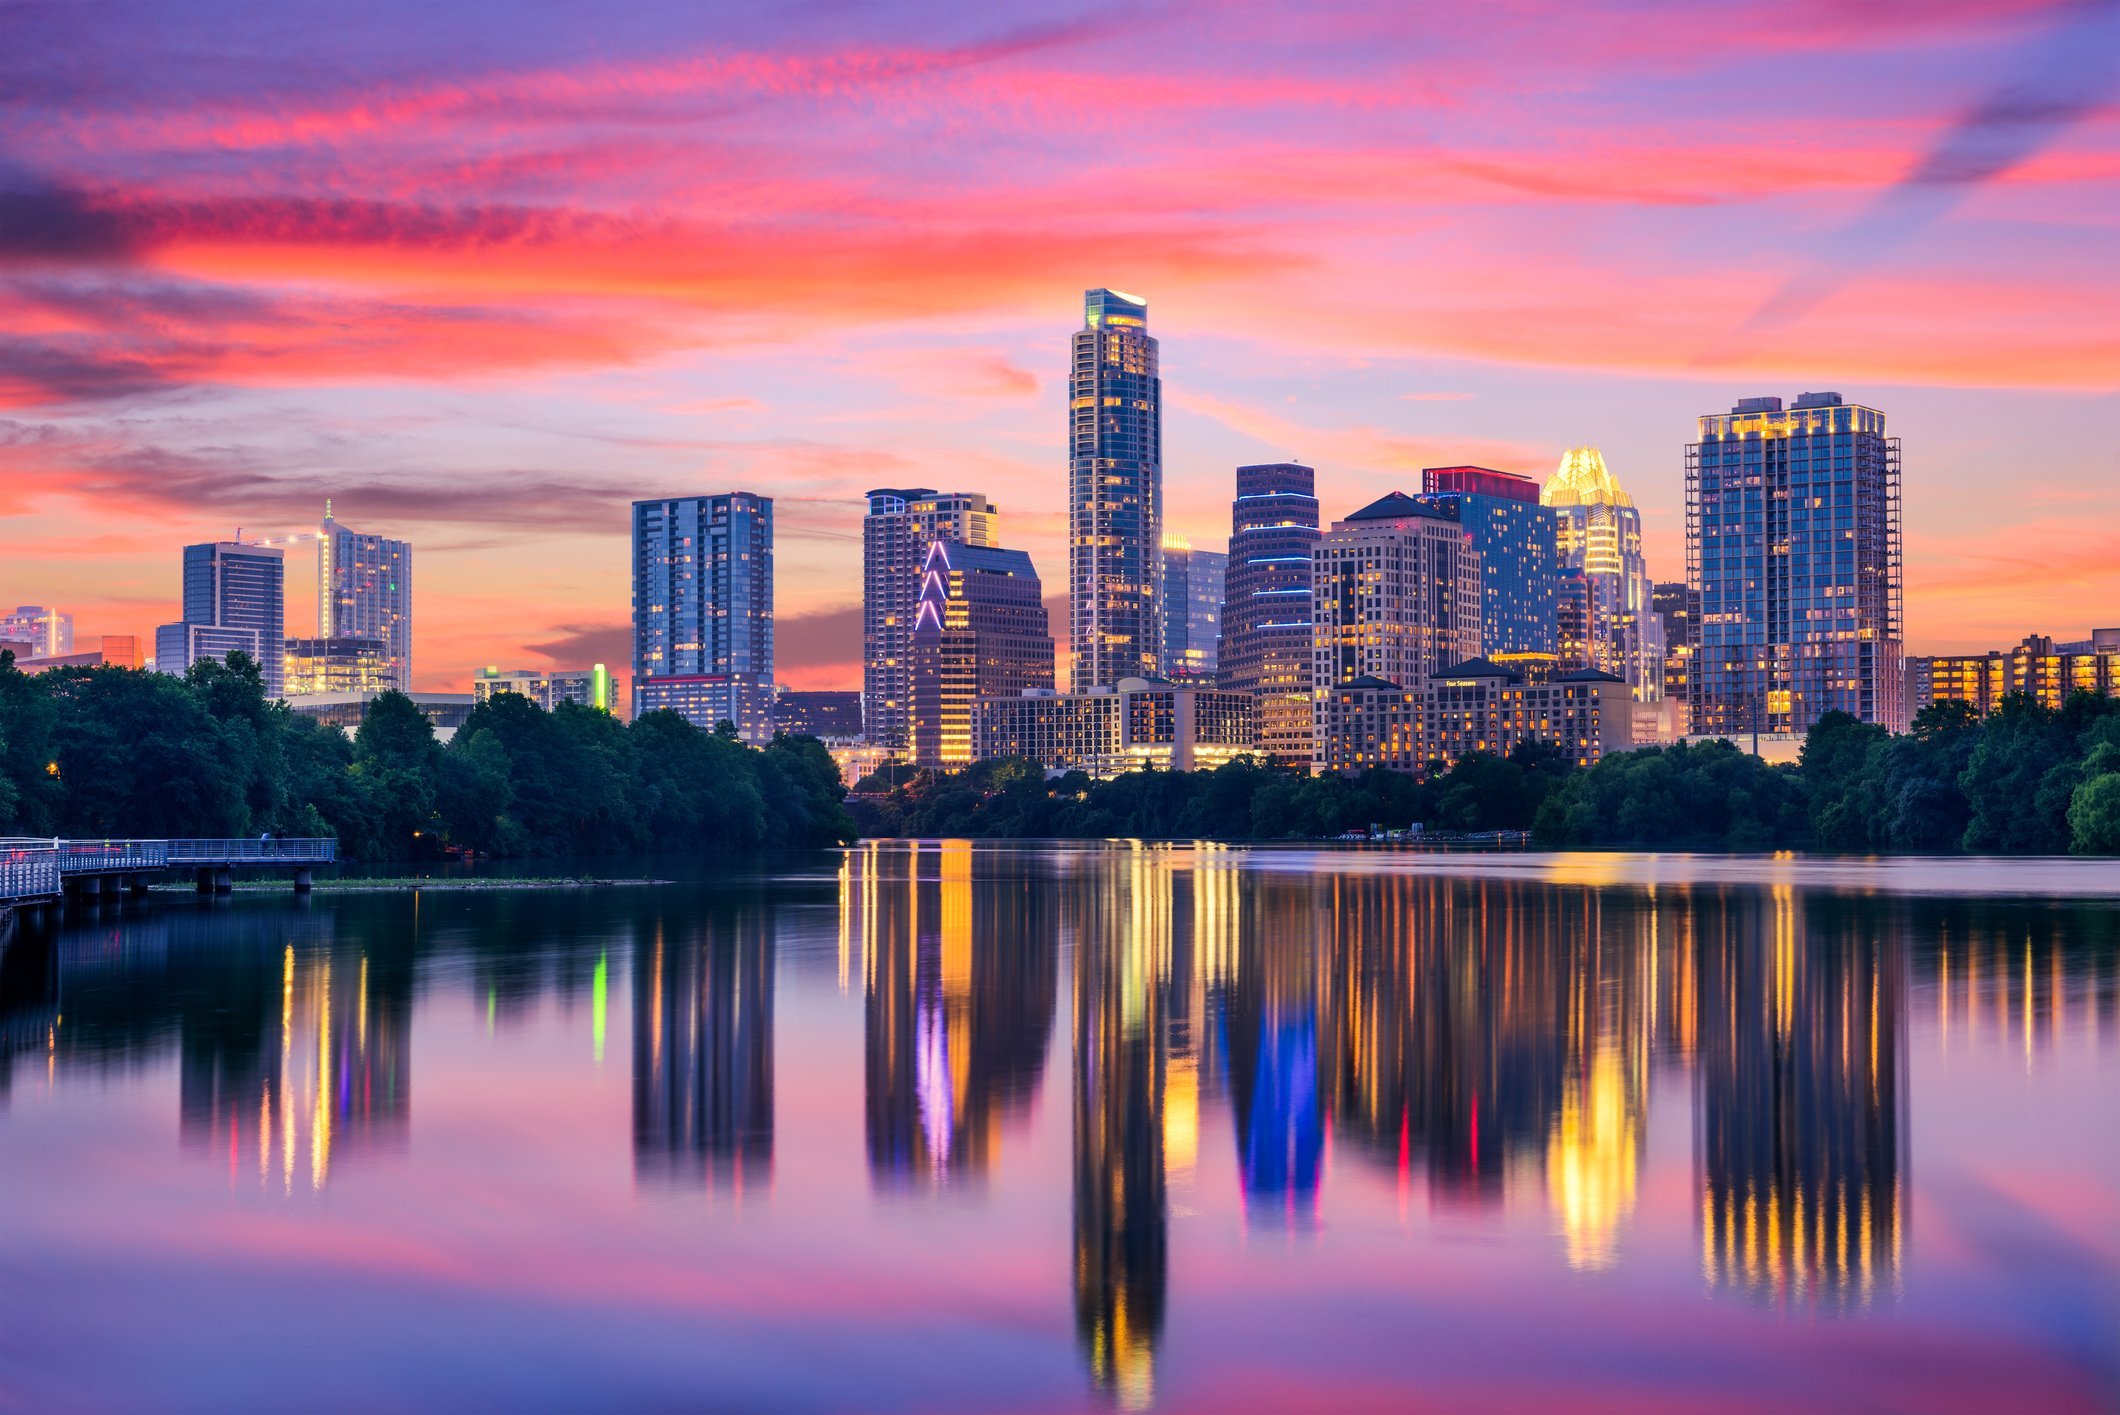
(703, 610)
(1600, 534)
(1193, 582)
(1792, 540)
(1115, 494)
(240, 591)
(979, 631)
(1266, 648)
(901, 524)
(364, 591)
(1517, 539)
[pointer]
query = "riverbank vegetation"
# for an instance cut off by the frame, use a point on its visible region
(2028, 780)
(118, 752)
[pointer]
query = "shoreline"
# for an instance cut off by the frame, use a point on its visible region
(414, 882)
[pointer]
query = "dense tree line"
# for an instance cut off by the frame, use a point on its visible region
(1013, 799)
(117, 752)
(2026, 780)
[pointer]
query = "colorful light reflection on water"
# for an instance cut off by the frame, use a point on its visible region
(1190, 1128)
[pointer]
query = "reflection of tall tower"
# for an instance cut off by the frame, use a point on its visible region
(703, 1056)
(1272, 1025)
(298, 1077)
(1122, 1212)
(1799, 1139)
(1594, 1143)
(959, 998)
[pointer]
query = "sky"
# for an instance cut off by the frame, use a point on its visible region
(484, 274)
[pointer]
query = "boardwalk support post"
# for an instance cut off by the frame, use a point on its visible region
(301, 881)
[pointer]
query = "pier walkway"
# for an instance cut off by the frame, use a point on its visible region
(42, 871)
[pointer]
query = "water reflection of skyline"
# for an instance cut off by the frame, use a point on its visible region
(1487, 1047)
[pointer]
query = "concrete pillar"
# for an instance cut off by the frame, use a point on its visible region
(223, 881)
(205, 881)
(89, 886)
(301, 881)
(139, 884)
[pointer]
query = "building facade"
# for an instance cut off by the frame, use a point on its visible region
(979, 631)
(586, 687)
(446, 711)
(826, 713)
(241, 592)
(179, 646)
(48, 633)
(2044, 670)
(1193, 584)
(1479, 706)
(1115, 494)
(703, 610)
(1518, 540)
(1266, 621)
(348, 665)
(1135, 725)
(364, 591)
(1793, 541)
(1600, 534)
(902, 522)
(1395, 595)
(1678, 606)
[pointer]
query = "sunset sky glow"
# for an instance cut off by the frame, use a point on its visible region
(484, 274)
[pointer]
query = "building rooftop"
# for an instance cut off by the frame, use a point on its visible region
(1588, 675)
(1583, 479)
(1481, 668)
(1398, 504)
(1370, 680)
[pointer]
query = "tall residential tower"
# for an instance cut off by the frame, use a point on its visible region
(1115, 494)
(1395, 596)
(1792, 542)
(901, 524)
(1265, 648)
(364, 591)
(703, 610)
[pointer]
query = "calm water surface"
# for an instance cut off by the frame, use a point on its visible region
(1189, 1128)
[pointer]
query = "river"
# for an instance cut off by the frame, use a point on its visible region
(981, 1128)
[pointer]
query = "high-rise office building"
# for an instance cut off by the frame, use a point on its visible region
(1395, 595)
(1115, 494)
(1193, 582)
(1600, 534)
(979, 631)
(703, 610)
(1792, 540)
(364, 591)
(1518, 541)
(240, 592)
(1266, 623)
(1679, 607)
(901, 524)
(48, 632)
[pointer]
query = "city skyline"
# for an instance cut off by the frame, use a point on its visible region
(1485, 274)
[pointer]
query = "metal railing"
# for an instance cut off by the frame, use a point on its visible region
(94, 856)
(28, 869)
(316, 850)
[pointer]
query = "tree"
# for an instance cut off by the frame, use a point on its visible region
(2020, 744)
